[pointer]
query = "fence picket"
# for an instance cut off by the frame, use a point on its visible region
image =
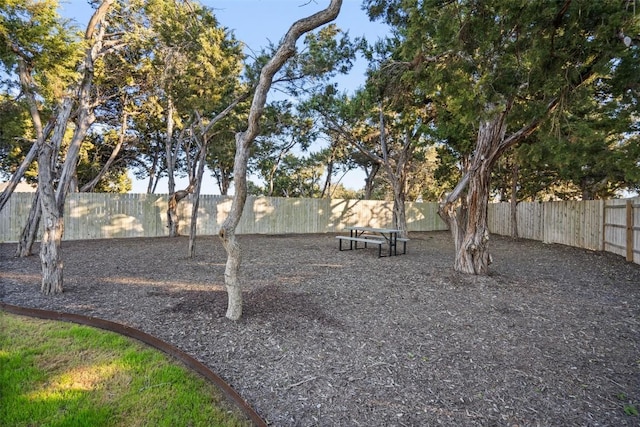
(594, 225)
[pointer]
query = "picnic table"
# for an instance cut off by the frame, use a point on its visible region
(373, 236)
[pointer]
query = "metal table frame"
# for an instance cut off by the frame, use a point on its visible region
(389, 234)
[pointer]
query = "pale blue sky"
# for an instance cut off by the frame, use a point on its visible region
(258, 22)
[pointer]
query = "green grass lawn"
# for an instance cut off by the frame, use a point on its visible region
(62, 374)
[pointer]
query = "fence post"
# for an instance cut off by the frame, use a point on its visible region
(603, 228)
(629, 222)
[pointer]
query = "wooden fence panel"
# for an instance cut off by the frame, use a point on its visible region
(208, 221)
(574, 223)
(423, 216)
(615, 227)
(499, 218)
(101, 216)
(530, 217)
(14, 216)
(622, 228)
(570, 223)
(591, 224)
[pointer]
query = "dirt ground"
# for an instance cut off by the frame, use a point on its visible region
(329, 338)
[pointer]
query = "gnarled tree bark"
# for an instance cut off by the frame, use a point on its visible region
(465, 209)
(53, 199)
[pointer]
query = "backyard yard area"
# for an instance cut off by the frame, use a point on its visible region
(329, 338)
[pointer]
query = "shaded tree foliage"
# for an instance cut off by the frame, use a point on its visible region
(499, 69)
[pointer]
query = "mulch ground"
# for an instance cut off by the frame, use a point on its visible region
(550, 338)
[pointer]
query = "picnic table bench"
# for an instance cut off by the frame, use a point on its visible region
(373, 236)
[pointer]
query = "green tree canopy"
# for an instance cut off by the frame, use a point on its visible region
(496, 71)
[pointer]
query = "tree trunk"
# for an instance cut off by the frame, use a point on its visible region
(171, 155)
(194, 222)
(468, 225)
(472, 256)
(276, 164)
(30, 231)
(202, 158)
(53, 220)
(151, 186)
(399, 211)
(18, 174)
(172, 216)
(52, 215)
(397, 176)
(52, 200)
(232, 284)
(514, 199)
(223, 179)
(400, 184)
(326, 188)
(245, 139)
(172, 211)
(88, 187)
(468, 220)
(370, 180)
(51, 252)
(224, 182)
(227, 230)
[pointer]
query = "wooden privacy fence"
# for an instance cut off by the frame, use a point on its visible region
(101, 216)
(622, 228)
(602, 225)
(596, 225)
(572, 223)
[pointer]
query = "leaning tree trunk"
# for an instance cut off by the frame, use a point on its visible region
(245, 139)
(370, 180)
(201, 162)
(52, 199)
(88, 187)
(30, 231)
(227, 230)
(19, 173)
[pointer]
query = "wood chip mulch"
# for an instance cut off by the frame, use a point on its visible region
(550, 338)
